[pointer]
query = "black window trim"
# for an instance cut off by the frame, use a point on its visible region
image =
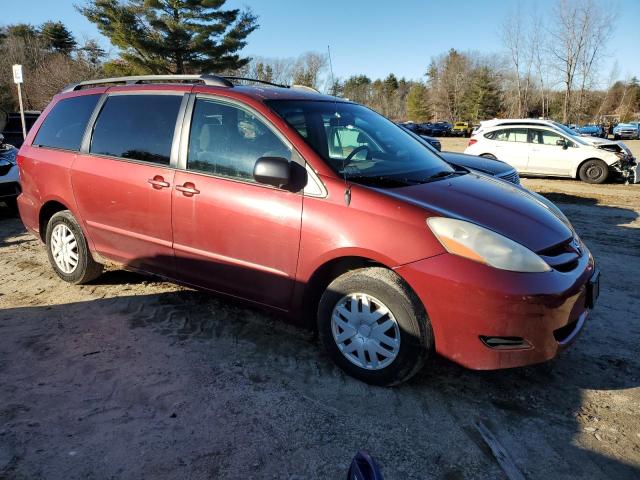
(186, 132)
(89, 122)
(173, 159)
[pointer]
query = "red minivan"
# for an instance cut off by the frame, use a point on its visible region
(309, 204)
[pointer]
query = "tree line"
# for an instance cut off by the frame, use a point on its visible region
(549, 67)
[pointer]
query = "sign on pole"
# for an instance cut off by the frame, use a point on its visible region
(17, 79)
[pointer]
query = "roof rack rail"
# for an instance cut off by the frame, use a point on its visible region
(255, 80)
(207, 79)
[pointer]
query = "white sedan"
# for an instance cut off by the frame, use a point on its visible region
(543, 150)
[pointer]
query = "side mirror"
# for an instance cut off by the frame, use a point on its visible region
(275, 171)
(562, 143)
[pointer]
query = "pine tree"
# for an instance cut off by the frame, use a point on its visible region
(174, 36)
(57, 37)
(417, 103)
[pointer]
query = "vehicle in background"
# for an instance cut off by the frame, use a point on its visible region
(592, 130)
(612, 145)
(461, 129)
(309, 204)
(12, 129)
(544, 150)
(434, 142)
(630, 131)
(440, 129)
(490, 166)
(9, 178)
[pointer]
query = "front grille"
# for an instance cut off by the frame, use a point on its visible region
(511, 176)
(563, 257)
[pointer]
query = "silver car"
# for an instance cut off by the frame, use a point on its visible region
(9, 178)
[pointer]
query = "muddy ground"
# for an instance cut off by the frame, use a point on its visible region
(130, 377)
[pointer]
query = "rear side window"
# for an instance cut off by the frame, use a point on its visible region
(65, 124)
(139, 127)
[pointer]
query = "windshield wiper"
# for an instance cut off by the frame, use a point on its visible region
(381, 181)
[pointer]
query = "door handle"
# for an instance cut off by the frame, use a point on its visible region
(188, 189)
(158, 182)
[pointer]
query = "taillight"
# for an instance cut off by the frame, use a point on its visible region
(472, 141)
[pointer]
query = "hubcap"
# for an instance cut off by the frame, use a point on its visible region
(64, 248)
(365, 331)
(594, 172)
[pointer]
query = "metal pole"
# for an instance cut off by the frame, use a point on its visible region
(24, 126)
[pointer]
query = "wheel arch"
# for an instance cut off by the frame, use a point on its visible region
(323, 275)
(48, 210)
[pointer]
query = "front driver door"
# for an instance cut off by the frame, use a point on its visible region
(546, 156)
(232, 234)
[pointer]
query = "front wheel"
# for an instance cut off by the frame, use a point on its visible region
(374, 327)
(594, 171)
(68, 251)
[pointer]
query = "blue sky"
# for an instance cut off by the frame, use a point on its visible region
(372, 37)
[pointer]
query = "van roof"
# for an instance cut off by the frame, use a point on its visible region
(259, 89)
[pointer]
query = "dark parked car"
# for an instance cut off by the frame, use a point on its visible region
(494, 167)
(434, 142)
(12, 129)
(312, 205)
(441, 129)
(9, 179)
(592, 131)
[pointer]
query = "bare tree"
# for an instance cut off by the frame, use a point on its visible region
(520, 47)
(578, 37)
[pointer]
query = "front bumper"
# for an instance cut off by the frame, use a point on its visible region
(468, 303)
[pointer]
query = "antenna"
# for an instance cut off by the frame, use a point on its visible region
(347, 189)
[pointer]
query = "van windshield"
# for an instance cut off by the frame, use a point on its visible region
(361, 145)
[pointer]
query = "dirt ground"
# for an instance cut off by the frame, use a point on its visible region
(130, 377)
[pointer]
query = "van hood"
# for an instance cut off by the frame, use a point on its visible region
(499, 206)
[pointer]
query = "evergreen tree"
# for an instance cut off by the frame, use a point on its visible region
(174, 36)
(57, 37)
(92, 52)
(417, 103)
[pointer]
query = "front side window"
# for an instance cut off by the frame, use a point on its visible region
(359, 144)
(66, 122)
(512, 135)
(137, 127)
(545, 137)
(226, 140)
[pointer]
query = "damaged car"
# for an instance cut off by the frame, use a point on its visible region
(541, 150)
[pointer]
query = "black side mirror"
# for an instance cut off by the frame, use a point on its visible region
(562, 143)
(275, 171)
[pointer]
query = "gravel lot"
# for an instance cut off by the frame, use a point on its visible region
(130, 377)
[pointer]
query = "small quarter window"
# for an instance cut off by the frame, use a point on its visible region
(66, 122)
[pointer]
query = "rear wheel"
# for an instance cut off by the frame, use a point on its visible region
(593, 171)
(374, 327)
(68, 252)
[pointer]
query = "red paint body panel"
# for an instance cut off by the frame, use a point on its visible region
(265, 244)
(127, 218)
(237, 238)
(466, 299)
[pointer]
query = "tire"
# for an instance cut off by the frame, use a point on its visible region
(382, 288)
(616, 137)
(62, 225)
(488, 155)
(594, 171)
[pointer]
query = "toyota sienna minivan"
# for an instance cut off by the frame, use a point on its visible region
(311, 205)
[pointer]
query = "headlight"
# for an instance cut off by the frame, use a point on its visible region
(476, 243)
